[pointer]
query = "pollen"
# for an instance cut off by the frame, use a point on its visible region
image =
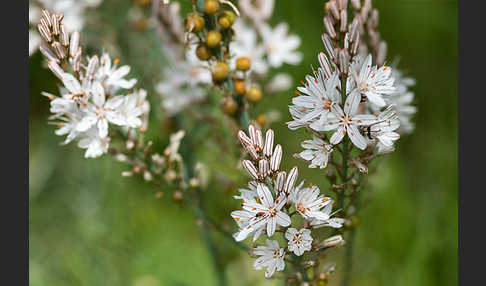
(297, 92)
(116, 61)
(325, 199)
(300, 208)
(303, 110)
(344, 131)
(310, 185)
(236, 218)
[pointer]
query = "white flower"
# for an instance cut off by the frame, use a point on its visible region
(245, 44)
(79, 92)
(373, 82)
(308, 202)
(317, 152)
(248, 194)
(402, 99)
(384, 128)
(69, 114)
(259, 10)
(182, 86)
(131, 109)
(95, 144)
(101, 111)
(271, 257)
(280, 82)
(297, 115)
(332, 222)
(279, 46)
(258, 215)
(318, 95)
(111, 77)
(347, 122)
(299, 241)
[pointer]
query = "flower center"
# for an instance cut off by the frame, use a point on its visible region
(272, 212)
(326, 103)
(297, 238)
(300, 208)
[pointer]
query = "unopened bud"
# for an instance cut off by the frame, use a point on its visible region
(333, 241)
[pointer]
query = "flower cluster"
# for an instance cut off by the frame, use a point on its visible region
(94, 95)
(348, 96)
(271, 201)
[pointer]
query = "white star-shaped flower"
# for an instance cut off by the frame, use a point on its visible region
(279, 46)
(131, 109)
(316, 151)
(384, 128)
(330, 221)
(299, 240)
(263, 212)
(308, 202)
(373, 82)
(94, 144)
(271, 257)
(101, 111)
(112, 77)
(318, 94)
(347, 122)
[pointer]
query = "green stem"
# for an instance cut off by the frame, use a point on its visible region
(209, 241)
(348, 259)
(198, 206)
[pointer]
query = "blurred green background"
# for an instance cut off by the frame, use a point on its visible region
(89, 226)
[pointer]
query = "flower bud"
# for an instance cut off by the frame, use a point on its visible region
(240, 86)
(333, 241)
(211, 6)
(202, 52)
(194, 23)
(213, 38)
(243, 64)
(254, 94)
(219, 71)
